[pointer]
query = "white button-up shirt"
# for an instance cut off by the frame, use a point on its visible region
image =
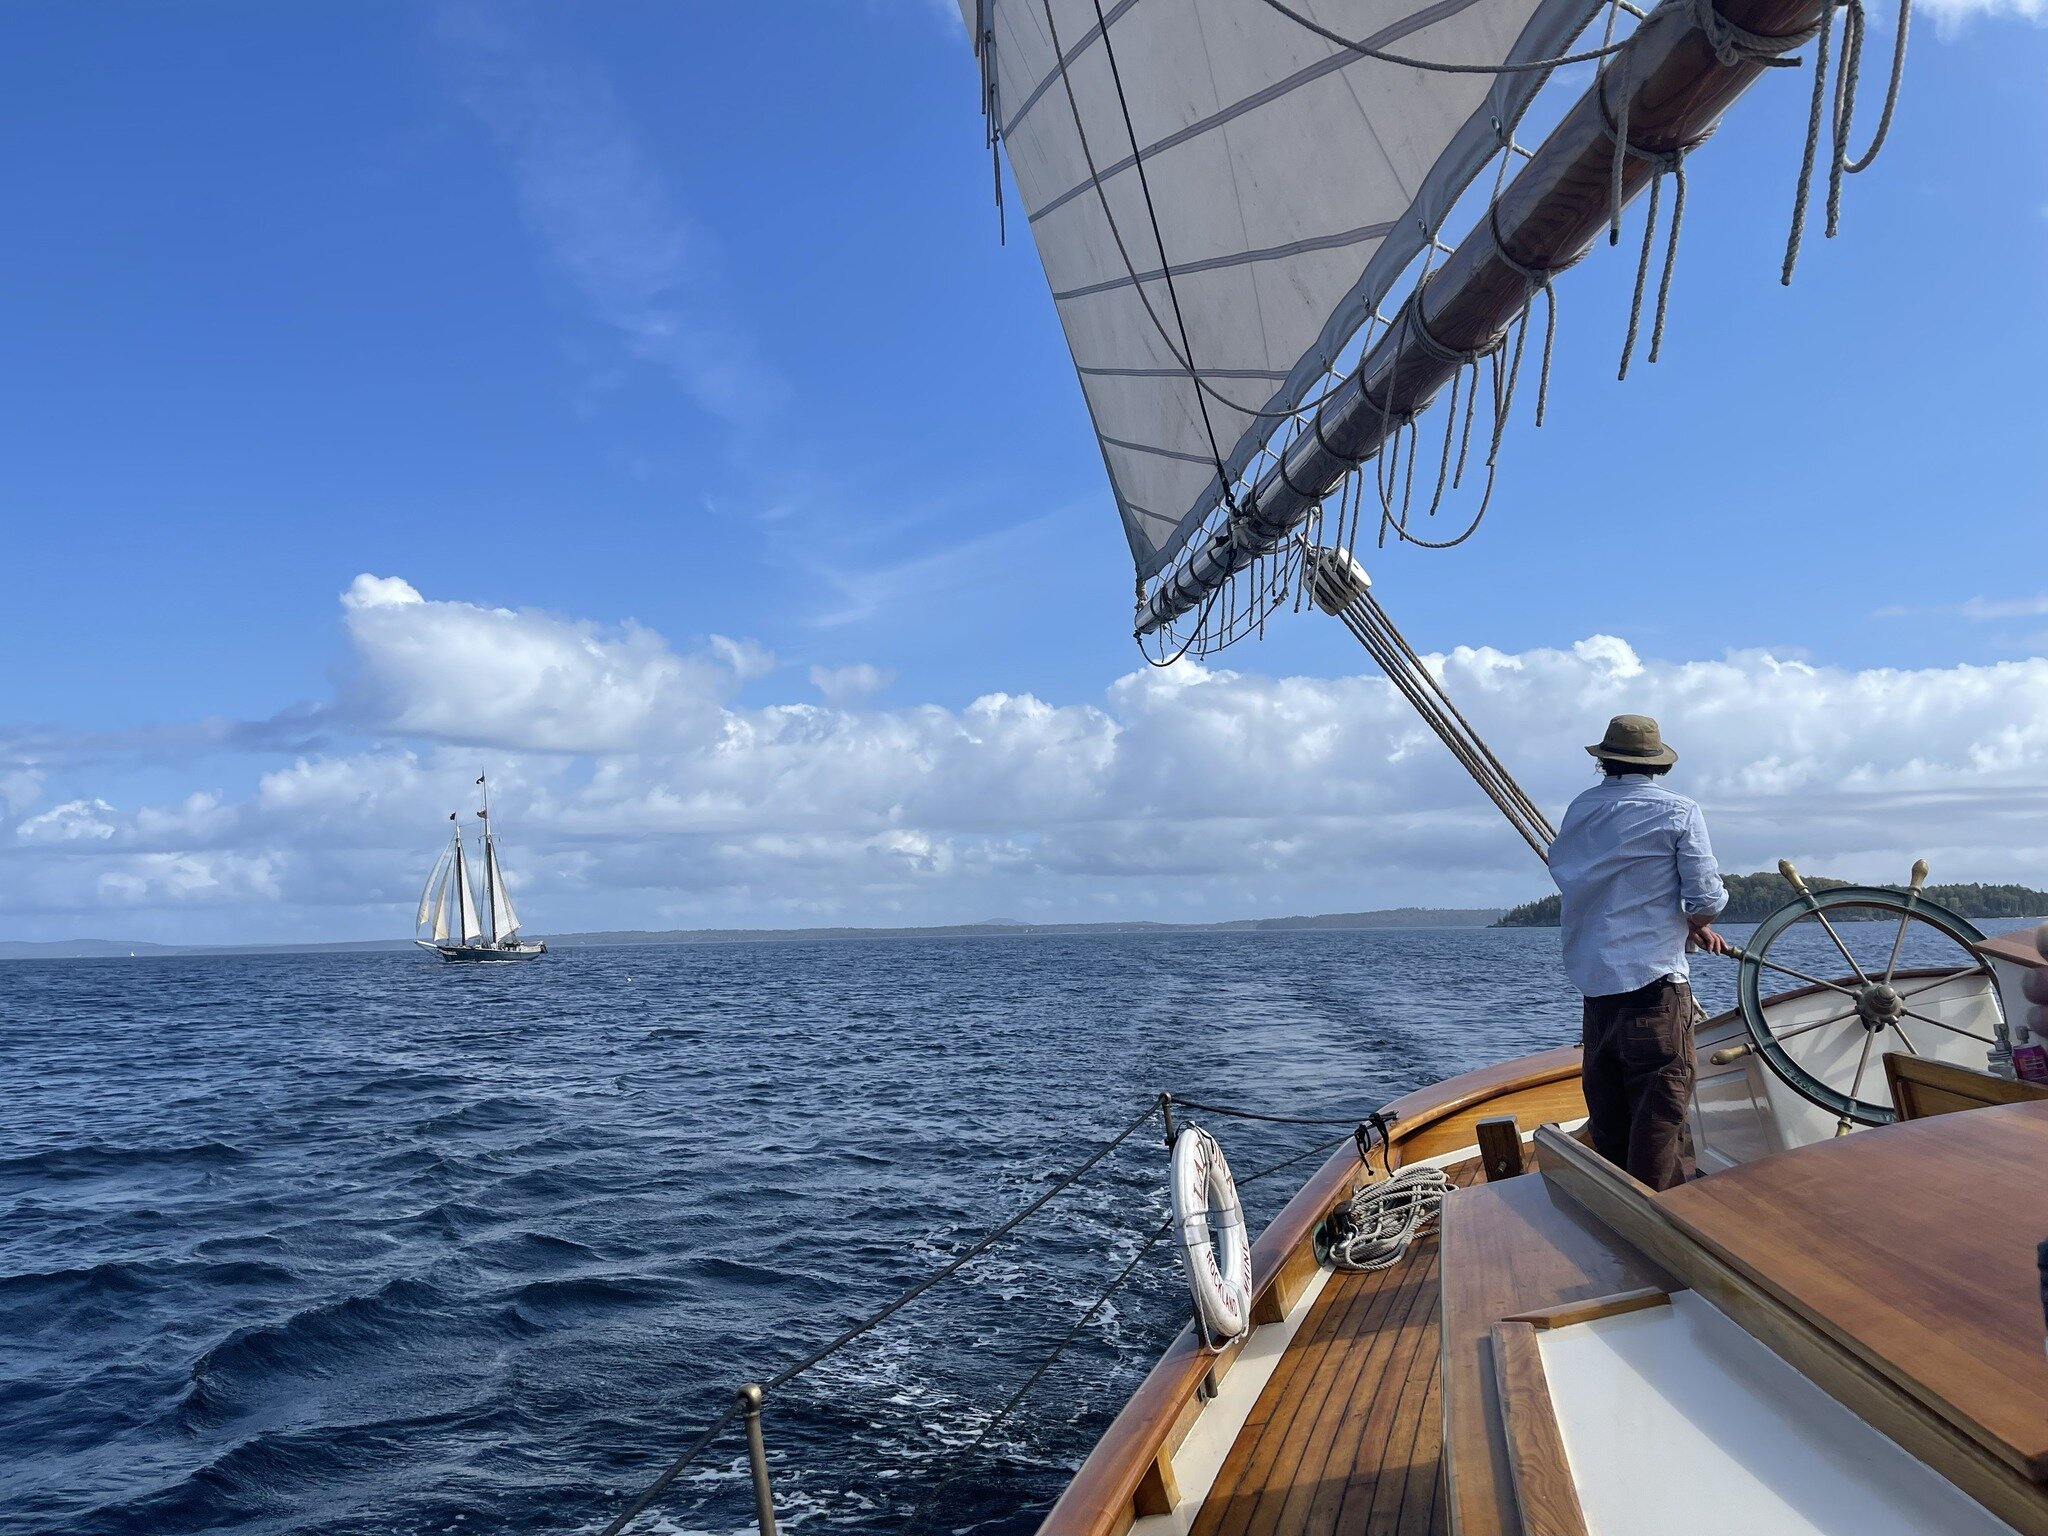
(1631, 861)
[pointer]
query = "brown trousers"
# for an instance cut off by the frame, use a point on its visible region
(1638, 1079)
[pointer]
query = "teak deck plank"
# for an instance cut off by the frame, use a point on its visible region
(1511, 1247)
(1347, 1436)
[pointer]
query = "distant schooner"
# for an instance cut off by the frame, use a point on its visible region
(459, 927)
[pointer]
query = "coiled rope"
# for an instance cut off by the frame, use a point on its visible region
(1374, 1228)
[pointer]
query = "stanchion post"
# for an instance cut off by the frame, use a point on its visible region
(757, 1458)
(1166, 1110)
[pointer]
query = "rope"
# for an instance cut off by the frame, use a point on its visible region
(1373, 1229)
(1891, 94)
(1264, 1118)
(1320, 1149)
(1820, 87)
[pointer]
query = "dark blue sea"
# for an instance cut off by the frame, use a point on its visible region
(364, 1243)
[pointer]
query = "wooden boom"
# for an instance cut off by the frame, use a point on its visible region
(1676, 88)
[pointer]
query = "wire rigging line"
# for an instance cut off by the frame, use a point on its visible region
(782, 1378)
(994, 1236)
(1158, 239)
(1367, 50)
(1016, 1398)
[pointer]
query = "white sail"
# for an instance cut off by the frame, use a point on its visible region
(441, 897)
(1292, 180)
(472, 927)
(504, 921)
(435, 877)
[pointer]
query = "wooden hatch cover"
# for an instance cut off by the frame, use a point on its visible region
(1912, 1246)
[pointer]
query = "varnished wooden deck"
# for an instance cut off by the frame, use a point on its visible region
(1348, 1435)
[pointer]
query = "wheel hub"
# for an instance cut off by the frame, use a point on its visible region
(1879, 1006)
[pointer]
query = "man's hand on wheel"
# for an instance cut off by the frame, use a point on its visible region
(1703, 934)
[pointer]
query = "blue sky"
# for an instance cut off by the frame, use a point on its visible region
(693, 317)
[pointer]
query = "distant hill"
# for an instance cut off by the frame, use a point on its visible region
(1395, 917)
(1752, 898)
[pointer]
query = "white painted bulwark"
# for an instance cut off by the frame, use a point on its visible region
(1676, 1421)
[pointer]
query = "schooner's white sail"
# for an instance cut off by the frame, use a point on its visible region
(471, 925)
(431, 893)
(1290, 181)
(504, 921)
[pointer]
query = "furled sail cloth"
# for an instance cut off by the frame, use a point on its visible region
(1291, 181)
(471, 924)
(504, 921)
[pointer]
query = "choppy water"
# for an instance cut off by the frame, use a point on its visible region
(365, 1243)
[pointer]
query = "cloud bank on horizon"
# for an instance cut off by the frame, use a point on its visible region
(640, 785)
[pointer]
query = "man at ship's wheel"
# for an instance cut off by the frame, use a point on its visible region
(1637, 879)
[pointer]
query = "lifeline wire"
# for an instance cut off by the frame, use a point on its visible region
(1016, 1398)
(783, 1377)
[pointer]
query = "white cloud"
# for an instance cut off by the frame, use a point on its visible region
(1950, 14)
(602, 210)
(526, 680)
(1981, 610)
(69, 822)
(846, 685)
(636, 791)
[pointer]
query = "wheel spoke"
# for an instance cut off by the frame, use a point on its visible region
(1905, 1039)
(1833, 986)
(1840, 945)
(1898, 943)
(1782, 1035)
(1942, 981)
(1926, 1018)
(1862, 1061)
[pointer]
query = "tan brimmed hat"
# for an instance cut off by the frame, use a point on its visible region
(1634, 739)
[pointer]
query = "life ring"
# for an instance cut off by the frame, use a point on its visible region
(1213, 1244)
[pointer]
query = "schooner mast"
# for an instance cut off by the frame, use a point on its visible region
(504, 922)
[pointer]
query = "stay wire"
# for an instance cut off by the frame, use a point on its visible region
(994, 1236)
(1016, 1398)
(782, 1378)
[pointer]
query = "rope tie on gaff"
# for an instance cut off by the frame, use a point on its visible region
(1537, 279)
(1735, 45)
(1215, 1249)
(1662, 162)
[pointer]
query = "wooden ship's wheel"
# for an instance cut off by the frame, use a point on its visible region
(1915, 983)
